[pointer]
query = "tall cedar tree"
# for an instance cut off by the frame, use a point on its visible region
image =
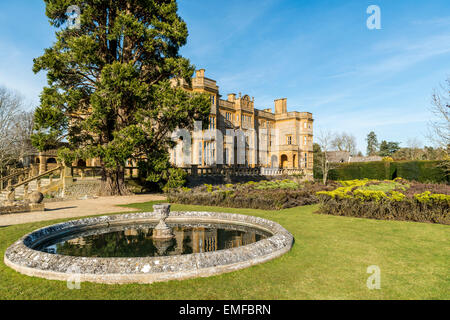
(372, 144)
(109, 90)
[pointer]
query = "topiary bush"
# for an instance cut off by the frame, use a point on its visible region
(422, 171)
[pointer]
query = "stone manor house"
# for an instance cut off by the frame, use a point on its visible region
(279, 139)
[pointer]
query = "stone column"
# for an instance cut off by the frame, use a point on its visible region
(42, 164)
(66, 175)
(26, 191)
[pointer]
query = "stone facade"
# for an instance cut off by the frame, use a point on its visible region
(283, 139)
(279, 139)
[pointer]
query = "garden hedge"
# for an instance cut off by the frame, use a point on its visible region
(422, 171)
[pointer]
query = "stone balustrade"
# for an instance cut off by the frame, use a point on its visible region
(238, 171)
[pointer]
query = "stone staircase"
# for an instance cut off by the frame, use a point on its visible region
(20, 191)
(21, 185)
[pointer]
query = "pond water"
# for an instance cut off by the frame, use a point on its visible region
(136, 241)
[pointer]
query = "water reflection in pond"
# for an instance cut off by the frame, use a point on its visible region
(137, 241)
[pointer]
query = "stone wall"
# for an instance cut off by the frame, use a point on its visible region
(81, 189)
(21, 207)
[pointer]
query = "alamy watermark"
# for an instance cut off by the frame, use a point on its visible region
(74, 280)
(374, 20)
(73, 17)
(374, 281)
(237, 146)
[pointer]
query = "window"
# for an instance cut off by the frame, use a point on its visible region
(213, 100)
(210, 153)
(212, 123)
(306, 125)
(289, 139)
(305, 141)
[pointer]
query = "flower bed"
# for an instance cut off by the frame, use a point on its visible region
(388, 200)
(266, 195)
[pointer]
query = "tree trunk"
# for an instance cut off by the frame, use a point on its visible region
(325, 177)
(113, 183)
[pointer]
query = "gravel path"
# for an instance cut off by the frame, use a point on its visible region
(78, 208)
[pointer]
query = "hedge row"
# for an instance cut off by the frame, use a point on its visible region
(394, 200)
(386, 209)
(265, 195)
(422, 171)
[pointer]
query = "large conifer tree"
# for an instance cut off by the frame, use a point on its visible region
(109, 92)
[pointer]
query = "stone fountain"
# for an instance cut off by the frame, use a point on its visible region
(162, 231)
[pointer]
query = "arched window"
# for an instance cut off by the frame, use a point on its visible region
(284, 161)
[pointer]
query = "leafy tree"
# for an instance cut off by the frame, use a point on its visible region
(112, 91)
(317, 167)
(372, 144)
(426, 153)
(387, 149)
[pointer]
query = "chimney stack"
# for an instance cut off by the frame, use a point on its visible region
(281, 106)
(200, 73)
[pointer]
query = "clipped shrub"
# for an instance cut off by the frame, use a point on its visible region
(176, 178)
(383, 200)
(387, 209)
(422, 171)
(370, 170)
(266, 195)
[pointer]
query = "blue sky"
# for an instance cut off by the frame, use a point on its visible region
(319, 54)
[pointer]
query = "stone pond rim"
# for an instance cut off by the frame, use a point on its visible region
(24, 259)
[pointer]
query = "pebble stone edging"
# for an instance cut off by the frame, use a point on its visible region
(21, 257)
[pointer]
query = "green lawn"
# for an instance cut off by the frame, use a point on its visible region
(328, 261)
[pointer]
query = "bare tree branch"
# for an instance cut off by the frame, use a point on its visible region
(439, 128)
(16, 126)
(324, 140)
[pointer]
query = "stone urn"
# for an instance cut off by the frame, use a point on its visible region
(162, 231)
(36, 197)
(162, 245)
